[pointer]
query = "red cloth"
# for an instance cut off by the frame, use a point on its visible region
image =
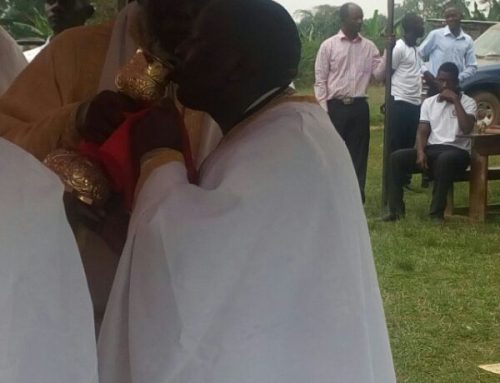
(115, 156)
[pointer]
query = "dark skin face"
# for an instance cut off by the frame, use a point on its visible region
(168, 23)
(415, 32)
(214, 75)
(64, 14)
(353, 23)
(453, 18)
(446, 81)
(202, 56)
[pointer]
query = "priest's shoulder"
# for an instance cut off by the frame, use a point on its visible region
(84, 36)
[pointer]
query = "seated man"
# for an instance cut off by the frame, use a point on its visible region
(439, 147)
(46, 323)
(263, 271)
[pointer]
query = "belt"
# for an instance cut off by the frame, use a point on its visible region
(349, 100)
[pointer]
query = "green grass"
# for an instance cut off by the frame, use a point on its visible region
(440, 283)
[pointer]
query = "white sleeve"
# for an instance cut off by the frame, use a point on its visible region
(425, 112)
(469, 106)
(396, 56)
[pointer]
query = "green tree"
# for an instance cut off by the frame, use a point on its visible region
(493, 9)
(105, 10)
(24, 18)
(27, 19)
(314, 26)
(434, 8)
(320, 23)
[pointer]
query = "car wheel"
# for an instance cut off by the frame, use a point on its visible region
(488, 108)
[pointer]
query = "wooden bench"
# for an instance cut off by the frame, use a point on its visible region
(492, 175)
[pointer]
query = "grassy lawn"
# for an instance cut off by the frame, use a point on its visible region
(440, 283)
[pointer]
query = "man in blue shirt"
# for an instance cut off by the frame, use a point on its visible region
(448, 44)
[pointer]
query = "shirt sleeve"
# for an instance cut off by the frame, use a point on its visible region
(378, 63)
(321, 71)
(427, 46)
(32, 112)
(469, 105)
(396, 56)
(424, 112)
(470, 63)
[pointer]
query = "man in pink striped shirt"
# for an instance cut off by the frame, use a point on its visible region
(344, 66)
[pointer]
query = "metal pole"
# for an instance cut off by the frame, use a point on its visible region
(388, 76)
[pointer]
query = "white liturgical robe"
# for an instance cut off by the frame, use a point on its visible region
(46, 323)
(12, 61)
(261, 274)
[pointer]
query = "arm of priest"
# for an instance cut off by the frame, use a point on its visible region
(38, 111)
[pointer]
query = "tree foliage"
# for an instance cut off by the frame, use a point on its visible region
(27, 19)
(24, 18)
(320, 23)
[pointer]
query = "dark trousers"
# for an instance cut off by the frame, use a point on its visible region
(353, 124)
(445, 163)
(404, 123)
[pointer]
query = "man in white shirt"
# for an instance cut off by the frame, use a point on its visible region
(406, 85)
(262, 271)
(439, 148)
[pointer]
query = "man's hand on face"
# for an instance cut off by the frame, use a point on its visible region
(448, 96)
(161, 127)
(430, 79)
(422, 160)
(98, 118)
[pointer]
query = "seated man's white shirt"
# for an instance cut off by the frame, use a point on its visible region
(442, 117)
(262, 273)
(46, 321)
(406, 79)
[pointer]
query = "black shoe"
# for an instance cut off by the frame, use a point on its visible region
(437, 218)
(391, 217)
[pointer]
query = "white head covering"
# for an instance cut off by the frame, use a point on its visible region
(12, 60)
(46, 322)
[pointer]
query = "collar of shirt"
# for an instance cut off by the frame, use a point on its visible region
(344, 37)
(448, 32)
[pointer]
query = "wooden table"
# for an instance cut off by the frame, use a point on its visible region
(482, 146)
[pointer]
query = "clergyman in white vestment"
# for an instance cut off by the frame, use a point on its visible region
(46, 322)
(262, 272)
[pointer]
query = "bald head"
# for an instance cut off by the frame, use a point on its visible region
(64, 14)
(239, 50)
(351, 18)
(263, 31)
